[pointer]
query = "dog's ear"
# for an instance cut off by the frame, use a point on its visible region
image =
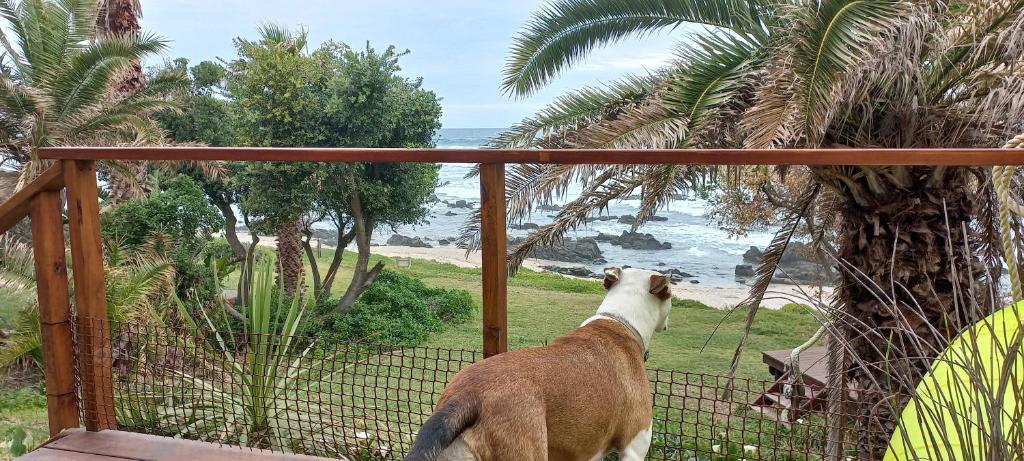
(611, 275)
(661, 287)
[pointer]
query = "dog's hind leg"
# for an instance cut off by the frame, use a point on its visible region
(638, 447)
(515, 432)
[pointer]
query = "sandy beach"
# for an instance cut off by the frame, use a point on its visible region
(777, 296)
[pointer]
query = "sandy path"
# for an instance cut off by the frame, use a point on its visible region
(720, 297)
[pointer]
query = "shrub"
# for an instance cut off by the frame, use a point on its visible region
(397, 309)
(177, 218)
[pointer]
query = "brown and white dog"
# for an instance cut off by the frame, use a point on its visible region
(579, 398)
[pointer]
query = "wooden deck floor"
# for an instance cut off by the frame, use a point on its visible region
(79, 445)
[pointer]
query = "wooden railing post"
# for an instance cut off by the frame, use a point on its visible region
(92, 327)
(54, 310)
(494, 247)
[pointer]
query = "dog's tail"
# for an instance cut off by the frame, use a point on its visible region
(441, 429)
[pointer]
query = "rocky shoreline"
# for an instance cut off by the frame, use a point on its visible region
(797, 266)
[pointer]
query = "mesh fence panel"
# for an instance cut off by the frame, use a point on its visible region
(366, 402)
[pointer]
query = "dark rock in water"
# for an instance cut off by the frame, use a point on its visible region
(627, 219)
(548, 207)
(657, 219)
(584, 250)
(525, 226)
(574, 271)
(745, 270)
(797, 266)
(325, 235)
(661, 264)
(460, 204)
(451, 213)
(634, 241)
(680, 273)
(444, 242)
(403, 241)
(602, 218)
(638, 241)
(676, 275)
(753, 255)
(694, 281)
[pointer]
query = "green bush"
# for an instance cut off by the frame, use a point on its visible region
(397, 309)
(178, 210)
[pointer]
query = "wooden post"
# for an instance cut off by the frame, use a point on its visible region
(494, 245)
(94, 353)
(54, 310)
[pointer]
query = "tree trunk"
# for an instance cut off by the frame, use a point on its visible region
(362, 277)
(908, 288)
(230, 223)
(314, 267)
(339, 253)
(289, 254)
(120, 18)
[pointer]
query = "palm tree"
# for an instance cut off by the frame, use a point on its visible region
(54, 85)
(140, 283)
(828, 73)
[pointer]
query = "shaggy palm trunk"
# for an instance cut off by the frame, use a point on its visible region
(289, 254)
(120, 18)
(907, 290)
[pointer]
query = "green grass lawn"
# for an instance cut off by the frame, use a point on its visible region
(543, 306)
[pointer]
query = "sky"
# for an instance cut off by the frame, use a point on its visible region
(459, 47)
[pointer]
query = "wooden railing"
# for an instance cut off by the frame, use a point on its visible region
(74, 170)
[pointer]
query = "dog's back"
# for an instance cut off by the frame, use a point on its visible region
(582, 395)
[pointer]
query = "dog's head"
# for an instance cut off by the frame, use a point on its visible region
(653, 288)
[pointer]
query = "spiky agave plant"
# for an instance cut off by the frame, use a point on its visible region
(250, 385)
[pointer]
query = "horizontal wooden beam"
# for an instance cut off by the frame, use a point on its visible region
(17, 206)
(947, 157)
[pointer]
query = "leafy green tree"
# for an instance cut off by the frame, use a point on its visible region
(177, 220)
(370, 105)
(278, 89)
(56, 84)
(333, 97)
(205, 116)
(832, 73)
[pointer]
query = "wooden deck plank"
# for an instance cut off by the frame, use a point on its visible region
(50, 454)
(116, 445)
(812, 363)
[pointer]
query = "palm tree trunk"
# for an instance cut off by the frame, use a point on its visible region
(120, 18)
(909, 285)
(289, 254)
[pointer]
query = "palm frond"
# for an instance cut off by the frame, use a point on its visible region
(831, 38)
(612, 184)
(90, 71)
(575, 109)
(770, 260)
(713, 68)
(565, 31)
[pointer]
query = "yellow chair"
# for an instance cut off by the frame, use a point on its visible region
(979, 376)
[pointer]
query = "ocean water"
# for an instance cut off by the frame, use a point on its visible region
(698, 246)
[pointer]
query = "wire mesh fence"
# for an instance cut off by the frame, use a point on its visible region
(366, 402)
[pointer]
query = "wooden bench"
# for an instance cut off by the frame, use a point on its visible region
(80, 445)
